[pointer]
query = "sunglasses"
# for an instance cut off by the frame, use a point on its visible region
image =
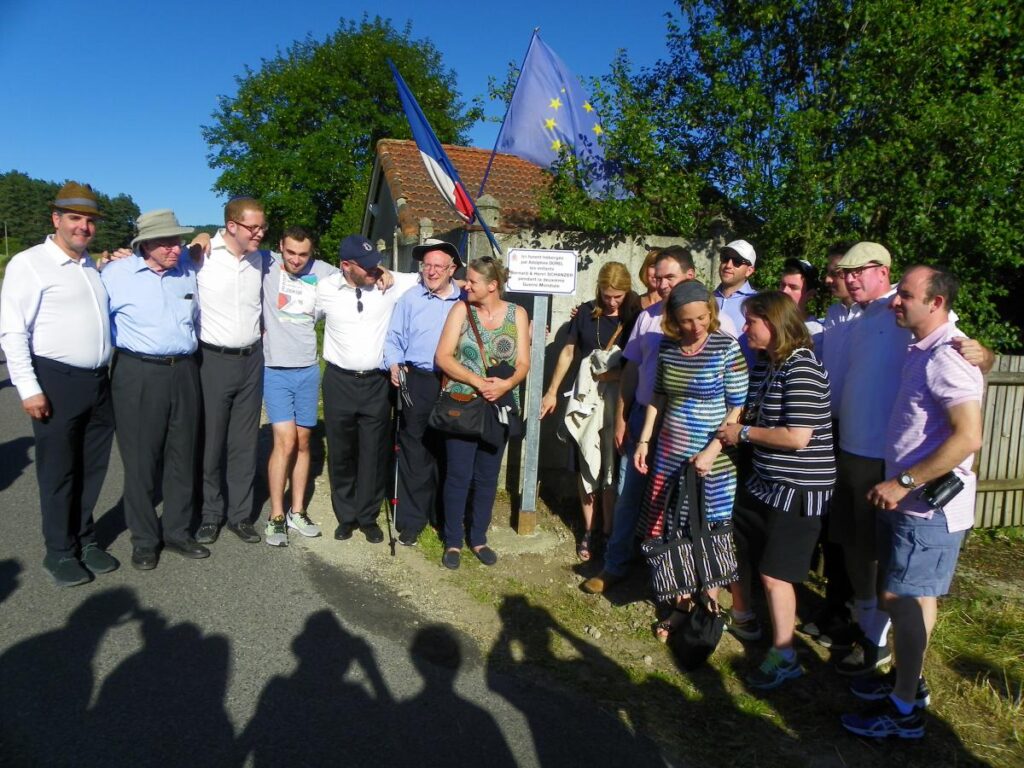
(359, 299)
(737, 261)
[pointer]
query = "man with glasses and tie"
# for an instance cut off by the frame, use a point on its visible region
(231, 369)
(356, 385)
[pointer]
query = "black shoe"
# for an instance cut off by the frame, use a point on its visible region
(189, 548)
(408, 538)
(373, 533)
(486, 555)
(451, 559)
(207, 533)
(66, 570)
(144, 559)
(245, 531)
(344, 532)
(98, 560)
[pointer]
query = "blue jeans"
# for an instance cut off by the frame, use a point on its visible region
(632, 484)
(471, 465)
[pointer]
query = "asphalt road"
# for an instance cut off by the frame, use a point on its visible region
(252, 657)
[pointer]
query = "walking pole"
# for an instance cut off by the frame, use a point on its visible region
(402, 399)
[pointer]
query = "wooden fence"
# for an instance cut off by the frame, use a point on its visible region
(1000, 463)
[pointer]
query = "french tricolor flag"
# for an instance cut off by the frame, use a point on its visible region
(439, 167)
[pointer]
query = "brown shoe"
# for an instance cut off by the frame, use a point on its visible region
(598, 585)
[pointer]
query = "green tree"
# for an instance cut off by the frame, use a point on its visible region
(300, 134)
(849, 119)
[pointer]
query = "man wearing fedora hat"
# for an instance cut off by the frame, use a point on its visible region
(409, 350)
(154, 306)
(55, 331)
(355, 384)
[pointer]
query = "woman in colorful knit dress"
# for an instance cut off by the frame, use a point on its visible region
(701, 385)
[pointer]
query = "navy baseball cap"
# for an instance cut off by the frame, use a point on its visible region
(360, 250)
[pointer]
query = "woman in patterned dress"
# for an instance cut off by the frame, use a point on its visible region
(701, 385)
(473, 465)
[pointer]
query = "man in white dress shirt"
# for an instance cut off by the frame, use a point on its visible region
(356, 385)
(55, 331)
(231, 369)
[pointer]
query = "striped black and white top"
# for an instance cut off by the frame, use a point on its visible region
(794, 394)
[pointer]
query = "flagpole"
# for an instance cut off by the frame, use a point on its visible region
(508, 106)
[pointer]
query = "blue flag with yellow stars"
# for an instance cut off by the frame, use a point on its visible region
(550, 112)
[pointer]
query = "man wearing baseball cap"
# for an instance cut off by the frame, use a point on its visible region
(736, 263)
(154, 308)
(409, 348)
(55, 330)
(355, 384)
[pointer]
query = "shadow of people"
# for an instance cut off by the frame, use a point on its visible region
(164, 705)
(438, 722)
(335, 718)
(111, 524)
(523, 667)
(9, 581)
(14, 460)
(46, 683)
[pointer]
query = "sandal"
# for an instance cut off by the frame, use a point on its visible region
(584, 549)
(663, 629)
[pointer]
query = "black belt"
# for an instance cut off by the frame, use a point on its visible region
(236, 351)
(357, 374)
(57, 365)
(157, 359)
(423, 372)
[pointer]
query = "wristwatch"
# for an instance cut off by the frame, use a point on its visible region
(906, 480)
(745, 434)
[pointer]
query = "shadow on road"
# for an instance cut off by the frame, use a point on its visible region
(14, 459)
(9, 571)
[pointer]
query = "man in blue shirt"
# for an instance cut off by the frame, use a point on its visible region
(409, 348)
(153, 301)
(736, 264)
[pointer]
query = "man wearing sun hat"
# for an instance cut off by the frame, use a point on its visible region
(154, 306)
(55, 331)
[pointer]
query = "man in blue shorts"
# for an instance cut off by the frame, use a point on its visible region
(291, 381)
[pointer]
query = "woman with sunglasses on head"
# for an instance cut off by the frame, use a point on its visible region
(779, 508)
(701, 384)
(599, 331)
(501, 328)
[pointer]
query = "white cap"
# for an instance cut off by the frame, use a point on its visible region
(743, 249)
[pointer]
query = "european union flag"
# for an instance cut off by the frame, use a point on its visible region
(550, 111)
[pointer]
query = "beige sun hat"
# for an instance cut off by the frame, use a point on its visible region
(153, 225)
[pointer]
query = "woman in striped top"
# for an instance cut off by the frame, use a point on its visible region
(701, 384)
(779, 508)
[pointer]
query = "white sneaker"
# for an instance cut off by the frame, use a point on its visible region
(300, 522)
(275, 534)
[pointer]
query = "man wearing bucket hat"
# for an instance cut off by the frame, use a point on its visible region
(355, 384)
(409, 351)
(55, 331)
(154, 306)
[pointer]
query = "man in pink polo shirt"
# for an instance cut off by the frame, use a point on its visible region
(934, 431)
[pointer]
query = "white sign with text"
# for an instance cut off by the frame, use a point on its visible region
(540, 270)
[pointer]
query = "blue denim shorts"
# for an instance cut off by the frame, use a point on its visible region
(916, 557)
(292, 394)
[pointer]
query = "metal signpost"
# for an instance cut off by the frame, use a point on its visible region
(541, 272)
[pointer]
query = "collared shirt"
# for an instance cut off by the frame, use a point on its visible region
(833, 350)
(869, 378)
(354, 340)
(152, 313)
(229, 295)
(55, 307)
(732, 307)
(289, 313)
(838, 313)
(935, 379)
(416, 326)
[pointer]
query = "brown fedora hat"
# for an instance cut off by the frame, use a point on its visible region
(78, 198)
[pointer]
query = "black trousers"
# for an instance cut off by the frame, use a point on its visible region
(232, 397)
(419, 448)
(156, 418)
(72, 451)
(357, 421)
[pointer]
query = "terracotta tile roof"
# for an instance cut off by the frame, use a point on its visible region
(515, 182)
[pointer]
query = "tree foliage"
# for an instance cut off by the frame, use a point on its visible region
(831, 120)
(300, 133)
(25, 207)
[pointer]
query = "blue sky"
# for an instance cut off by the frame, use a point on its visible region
(114, 93)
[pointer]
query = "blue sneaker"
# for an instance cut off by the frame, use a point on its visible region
(883, 719)
(877, 687)
(774, 671)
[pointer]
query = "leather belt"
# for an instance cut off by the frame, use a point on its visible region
(157, 359)
(357, 374)
(236, 351)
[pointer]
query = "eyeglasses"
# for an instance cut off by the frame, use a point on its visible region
(359, 299)
(858, 271)
(737, 261)
(252, 229)
(436, 267)
(170, 243)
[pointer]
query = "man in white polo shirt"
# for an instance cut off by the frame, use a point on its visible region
(231, 369)
(55, 330)
(356, 384)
